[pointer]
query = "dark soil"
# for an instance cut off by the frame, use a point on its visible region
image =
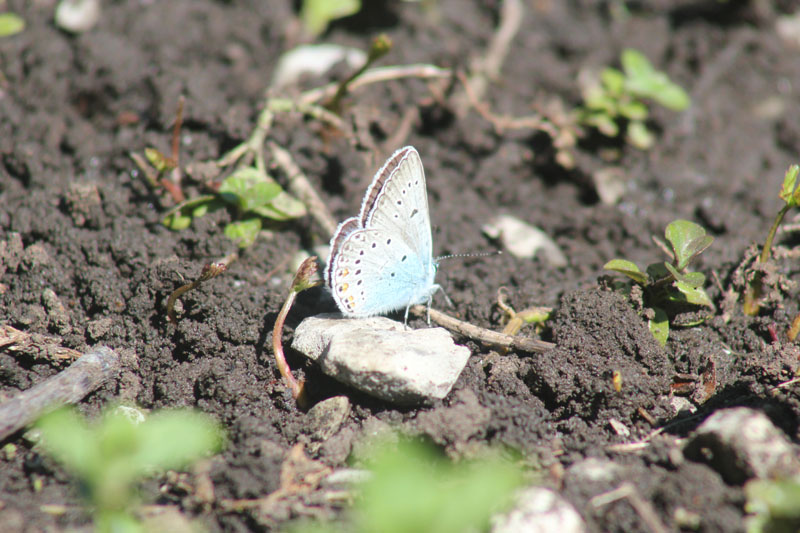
(72, 108)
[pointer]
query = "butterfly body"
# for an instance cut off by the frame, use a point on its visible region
(381, 260)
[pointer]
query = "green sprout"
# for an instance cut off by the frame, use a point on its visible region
(11, 24)
(773, 506)
(669, 286)
(111, 456)
(619, 100)
(790, 194)
(252, 196)
(318, 14)
(413, 489)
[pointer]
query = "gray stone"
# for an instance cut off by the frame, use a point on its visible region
(382, 357)
(743, 443)
(523, 240)
(326, 417)
(539, 510)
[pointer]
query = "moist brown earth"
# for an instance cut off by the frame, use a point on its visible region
(80, 219)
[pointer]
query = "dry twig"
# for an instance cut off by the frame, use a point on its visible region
(299, 186)
(488, 336)
(642, 507)
(69, 386)
(210, 271)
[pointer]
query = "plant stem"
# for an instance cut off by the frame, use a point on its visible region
(296, 387)
(755, 291)
(764, 257)
(380, 47)
(302, 281)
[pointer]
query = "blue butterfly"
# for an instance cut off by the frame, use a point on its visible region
(382, 259)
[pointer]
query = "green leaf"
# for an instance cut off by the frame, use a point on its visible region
(693, 279)
(235, 188)
(657, 271)
(644, 81)
(596, 101)
(639, 136)
(159, 161)
(317, 14)
(613, 81)
(671, 96)
(243, 232)
(283, 207)
(176, 438)
(10, 24)
(659, 326)
(635, 64)
(177, 221)
(672, 270)
(414, 490)
(604, 123)
(778, 499)
(788, 193)
(67, 438)
(181, 216)
(248, 188)
(261, 194)
(628, 268)
(634, 110)
(694, 295)
(688, 240)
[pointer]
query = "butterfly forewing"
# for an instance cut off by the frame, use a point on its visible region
(400, 207)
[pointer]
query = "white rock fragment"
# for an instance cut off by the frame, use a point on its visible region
(743, 443)
(523, 240)
(77, 16)
(326, 417)
(313, 59)
(610, 184)
(382, 357)
(592, 470)
(539, 510)
(788, 29)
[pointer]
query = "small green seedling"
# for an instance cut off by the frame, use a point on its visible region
(415, 490)
(619, 100)
(10, 24)
(790, 194)
(251, 195)
(111, 456)
(669, 285)
(318, 14)
(773, 506)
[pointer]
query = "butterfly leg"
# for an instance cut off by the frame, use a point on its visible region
(430, 301)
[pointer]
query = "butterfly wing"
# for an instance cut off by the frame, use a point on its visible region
(375, 272)
(397, 202)
(382, 260)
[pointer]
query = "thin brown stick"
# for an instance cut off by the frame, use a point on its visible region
(299, 186)
(642, 507)
(489, 66)
(303, 280)
(376, 75)
(174, 184)
(488, 336)
(83, 376)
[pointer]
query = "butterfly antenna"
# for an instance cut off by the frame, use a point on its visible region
(472, 254)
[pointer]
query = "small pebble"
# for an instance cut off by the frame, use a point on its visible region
(382, 357)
